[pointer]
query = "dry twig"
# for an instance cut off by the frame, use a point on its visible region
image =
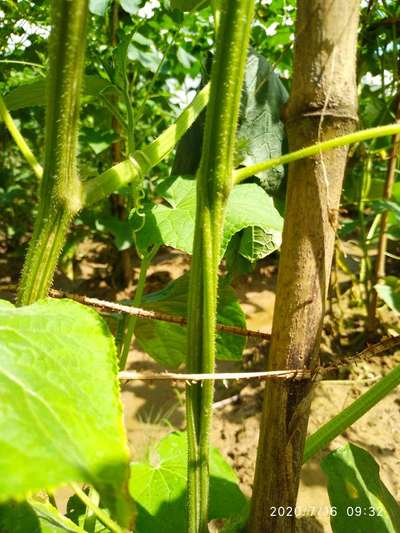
(143, 313)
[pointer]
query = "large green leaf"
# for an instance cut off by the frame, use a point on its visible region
(261, 132)
(166, 343)
(158, 487)
(34, 93)
(389, 292)
(361, 500)
(248, 206)
(61, 415)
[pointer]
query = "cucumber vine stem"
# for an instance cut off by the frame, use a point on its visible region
(131, 322)
(214, 182)
(60, 189)
(19, 139)
(315, 149)
(97, 511)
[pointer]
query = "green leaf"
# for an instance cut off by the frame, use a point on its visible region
(130, 6)
(158, 487)
(396, 192)
(256, 244)
(98, 7)
(166, 343)
(261, 132)
(248, 206)
(387, 205)
(61, 416)
(362, 501)
(120, 229)
(185, 58)
(34, 93)
(51, 520)
(389, 292)
(189, 5)
(142, 49)
(97, 138)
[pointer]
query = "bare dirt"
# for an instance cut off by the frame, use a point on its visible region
(152, 409)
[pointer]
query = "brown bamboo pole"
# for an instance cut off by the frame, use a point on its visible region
(322, 105)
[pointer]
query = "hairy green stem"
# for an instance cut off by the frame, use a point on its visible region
(60, 190)
(19, 140)
(141, 161)
(131, 322)
(329, 431)
(316, 149)
(214, 182)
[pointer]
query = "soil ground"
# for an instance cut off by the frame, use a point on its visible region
(152, 408)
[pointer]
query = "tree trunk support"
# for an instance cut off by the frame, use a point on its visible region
(323, 105)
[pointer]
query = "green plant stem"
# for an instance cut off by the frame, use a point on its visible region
(131, 323)
(97, 511)
(134, 168)
(214, 182)
(19, 140)
(315, 149)
(215, 4)
(142, 161)
(365, 185)
(60, 190)
(27, 63)
(89, 523)
(51, 514)
(329, 431)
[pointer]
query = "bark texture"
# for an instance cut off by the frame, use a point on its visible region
(323, 105)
